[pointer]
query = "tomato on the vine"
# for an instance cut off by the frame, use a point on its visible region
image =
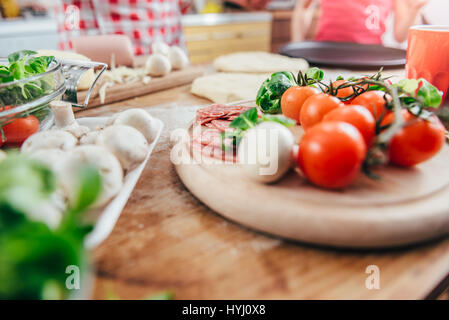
(316, 107)
(359, 117)
(20, 129)
(293, 99)
(331, 154)
(418, 141)
(343, 92)
(374, 101)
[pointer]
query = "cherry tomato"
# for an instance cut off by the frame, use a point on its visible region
(418, 141)
(293, 99)
(343, 92)
(331, 154)
(374, 101)
(315, 107)
(20, 129)
(359, 117)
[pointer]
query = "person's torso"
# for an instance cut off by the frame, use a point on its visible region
(361, 21)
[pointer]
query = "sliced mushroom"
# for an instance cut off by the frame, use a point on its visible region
(126, 143)
(51, 139)
(109, 167)
(138, 119)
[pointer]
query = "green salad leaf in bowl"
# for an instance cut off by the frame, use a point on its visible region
(24, 65)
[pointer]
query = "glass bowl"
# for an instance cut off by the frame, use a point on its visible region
(31, 96)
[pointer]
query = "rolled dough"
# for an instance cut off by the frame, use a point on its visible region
(228, 87)
(258, 62)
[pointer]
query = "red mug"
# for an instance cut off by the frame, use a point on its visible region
(428, 55)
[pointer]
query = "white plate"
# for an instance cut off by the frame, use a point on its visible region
(108, 215)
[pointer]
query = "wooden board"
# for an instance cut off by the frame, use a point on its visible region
(125, 91)
(405, 206)
(166, 239)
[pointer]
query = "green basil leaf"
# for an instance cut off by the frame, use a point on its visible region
(408, 86)
(18, 55)
(17, 70)
(315, 74)
(246, 120)
(279, 119)
(269, 95)
(89, 189)
(430, 95)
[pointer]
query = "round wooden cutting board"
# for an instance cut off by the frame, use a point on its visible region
(405, 206)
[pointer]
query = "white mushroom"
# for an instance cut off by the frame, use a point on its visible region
(126, 143)
(63, 113)
(76, 130)
(138, 119)
(265, 152)
(110, 121)
(90, 137)
(50, 157)
(50, 139)
(65, 119)
(178, 58)
(109, 167)
(157, 65)
(160, 47)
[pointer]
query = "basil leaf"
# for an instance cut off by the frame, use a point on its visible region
(89, 189)
(40, 64)
(18, 55)
(246, 120)
(17, 70)
(279, 119)
(430, 95)
(269, 95)
(315, 74)
(408, 86)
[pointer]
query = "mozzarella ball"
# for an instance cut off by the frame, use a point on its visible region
(265, 152)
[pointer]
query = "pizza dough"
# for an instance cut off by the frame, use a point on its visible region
(228, 87)
(86, 79)
(258, 62)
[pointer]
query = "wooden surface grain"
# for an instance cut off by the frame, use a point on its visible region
(165, 239)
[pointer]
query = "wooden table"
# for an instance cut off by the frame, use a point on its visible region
(166, 239)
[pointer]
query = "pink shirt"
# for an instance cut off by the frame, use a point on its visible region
(360, 21)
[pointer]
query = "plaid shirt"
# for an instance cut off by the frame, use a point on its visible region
(144, 21)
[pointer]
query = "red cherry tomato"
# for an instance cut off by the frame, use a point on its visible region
(293, 99)
(316, 107)
(331, 154)
(418, 141)
(343, 92)
(359, 117)
(374, 101)
(20, 129)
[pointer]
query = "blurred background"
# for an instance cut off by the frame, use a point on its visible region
(211, 27)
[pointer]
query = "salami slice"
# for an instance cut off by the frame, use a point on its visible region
(211, 121)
